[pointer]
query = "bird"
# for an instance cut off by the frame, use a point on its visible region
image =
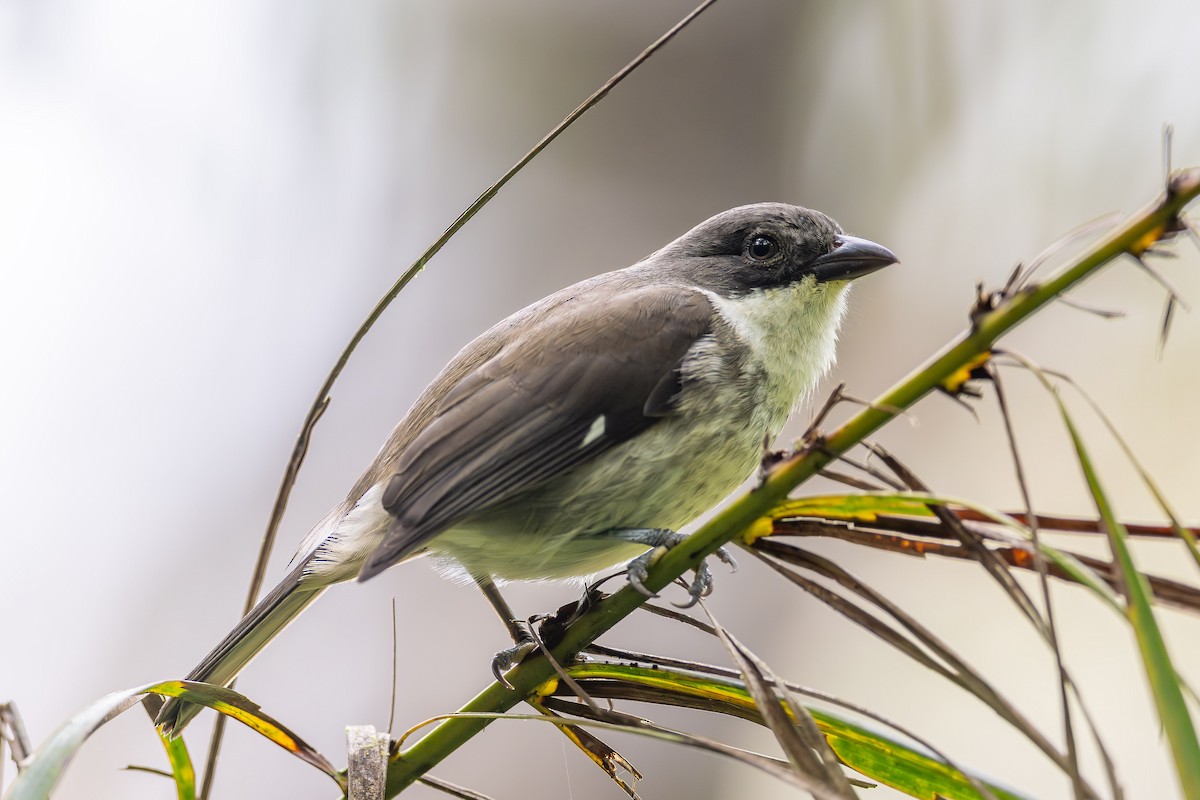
(586, 429)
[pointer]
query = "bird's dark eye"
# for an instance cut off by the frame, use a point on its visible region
(762, 248)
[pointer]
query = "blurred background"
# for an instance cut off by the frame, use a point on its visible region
(199, 202)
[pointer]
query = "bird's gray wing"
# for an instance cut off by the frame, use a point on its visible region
(531, 412)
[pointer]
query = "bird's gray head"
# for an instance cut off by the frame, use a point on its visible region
(768, 245)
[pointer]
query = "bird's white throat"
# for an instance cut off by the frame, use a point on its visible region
(792, 332)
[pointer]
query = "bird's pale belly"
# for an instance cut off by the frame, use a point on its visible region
(558, 531)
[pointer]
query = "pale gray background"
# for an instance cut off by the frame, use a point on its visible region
(200, 201)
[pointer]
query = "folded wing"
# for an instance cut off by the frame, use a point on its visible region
(541, 407)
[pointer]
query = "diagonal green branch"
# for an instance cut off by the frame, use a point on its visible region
(1159, 220)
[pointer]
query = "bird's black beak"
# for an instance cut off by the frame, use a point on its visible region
(851, 258)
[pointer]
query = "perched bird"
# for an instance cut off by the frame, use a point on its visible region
(586, 429)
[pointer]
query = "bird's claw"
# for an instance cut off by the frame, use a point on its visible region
(726, 557)
(509, 657)
(638, 570)
(701, 586)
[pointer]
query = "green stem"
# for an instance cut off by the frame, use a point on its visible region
(1145, 228)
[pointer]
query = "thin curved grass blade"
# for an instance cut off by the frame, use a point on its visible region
(912, 537)
(1166, 685)
(1186, 535)
(598, 752)
(239, 707)
(904, 632)
(49, 761)
(869, 507)
(885, 759)
(1160, 672)
(790, 722)
(772, 766)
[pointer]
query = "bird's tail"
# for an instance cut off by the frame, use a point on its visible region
(261, 625)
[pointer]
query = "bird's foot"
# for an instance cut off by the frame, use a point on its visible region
(509, 657)
(661, 538)
(541, 630)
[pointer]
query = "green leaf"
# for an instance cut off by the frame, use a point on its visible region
(903, 768)
(49, 761)
(239, 707)
(863, 507)
(181, 767)
(878, 757)
(1185, 535)
(44, 769)
(793, 726)
(1160, 672)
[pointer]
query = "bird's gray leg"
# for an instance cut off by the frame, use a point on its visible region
(654, 538)
(511, 623)
(523, 641)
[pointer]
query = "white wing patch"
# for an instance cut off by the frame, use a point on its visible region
(594, 432)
